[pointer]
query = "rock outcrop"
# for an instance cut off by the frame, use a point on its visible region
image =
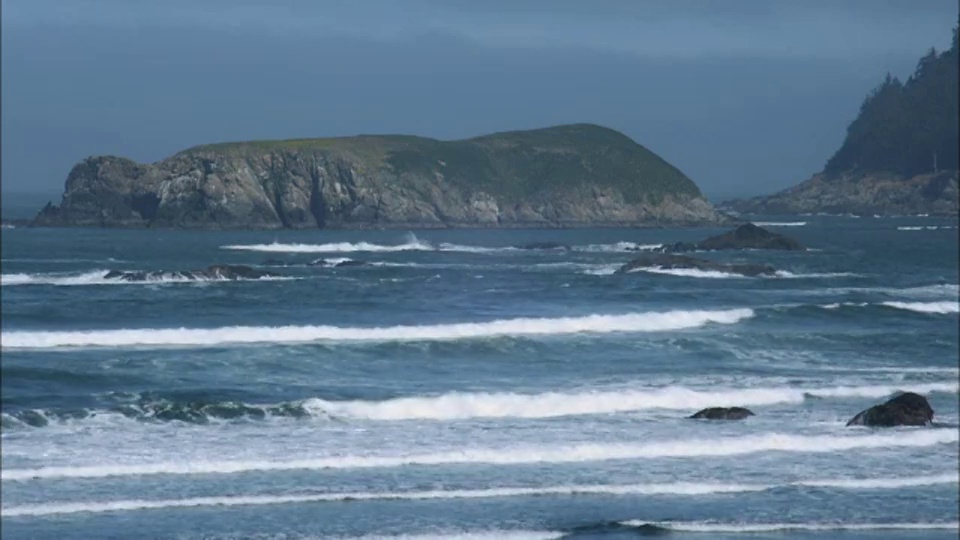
(750, 236)
(216, 272)
(722, 413)
(746, 236)
(614, 529)
(907, 409)
(876, 193)
(574, 175)
(666, 261)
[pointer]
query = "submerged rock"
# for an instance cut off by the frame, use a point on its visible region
(723, 413)
(614, 529)
(668, 261)
(545, 246)
(907, 409)
(217, 271)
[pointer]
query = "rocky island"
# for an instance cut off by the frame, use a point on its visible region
(900, 155)
(564, 176)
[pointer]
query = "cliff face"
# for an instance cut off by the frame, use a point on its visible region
(873, 193)
(563, 176)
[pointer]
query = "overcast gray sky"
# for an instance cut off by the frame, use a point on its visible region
(745, 96)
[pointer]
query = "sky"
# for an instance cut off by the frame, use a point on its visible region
(744, 96)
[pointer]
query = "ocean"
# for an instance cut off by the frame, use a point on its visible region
(455, 386)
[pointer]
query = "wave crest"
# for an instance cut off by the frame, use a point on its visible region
(684, 448)
(520, 327)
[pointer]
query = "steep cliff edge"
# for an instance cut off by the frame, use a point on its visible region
(574, 175)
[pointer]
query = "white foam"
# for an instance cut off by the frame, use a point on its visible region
(96, 277)
(878, 391)
(336, 247)
(595, 324)
(603, 269)
(474, 249)
(941, 289)
(674, 488)
(679, 488)
(710, 527)
(791, 275)
(332, 261)
(926, 307)
(618, 247)
(689, 272)
(588, 452)
(503, 534)
(838, 305)
(883, 483)
(463, 405)
(779, 223)
(926, 227)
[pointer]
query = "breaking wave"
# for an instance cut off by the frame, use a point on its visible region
(412, 243)
(457, 405)
(669, 489)
(711, 527)
(517, 455)
(926, 227)
(617, 247)
(471, 405)
(97, 277)
(939, 308)
(691, 272)
(717, 274)
(926, 307)
(779, 223)
(520, 327)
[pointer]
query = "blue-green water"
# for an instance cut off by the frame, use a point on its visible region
(456, 387)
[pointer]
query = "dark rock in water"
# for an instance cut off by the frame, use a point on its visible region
(676, 247)
(668, 261)
(614, 529)
(907, 409)
(749, 236)
(545, 246)
(217, 271)
(723, 413)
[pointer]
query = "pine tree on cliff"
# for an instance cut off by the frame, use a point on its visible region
(910, 128)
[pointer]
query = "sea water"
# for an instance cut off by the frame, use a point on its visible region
(456, 385)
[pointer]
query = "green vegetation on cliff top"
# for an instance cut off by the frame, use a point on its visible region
(515, 164)
(909, 129)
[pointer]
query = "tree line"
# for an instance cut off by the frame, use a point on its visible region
(908, 128)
